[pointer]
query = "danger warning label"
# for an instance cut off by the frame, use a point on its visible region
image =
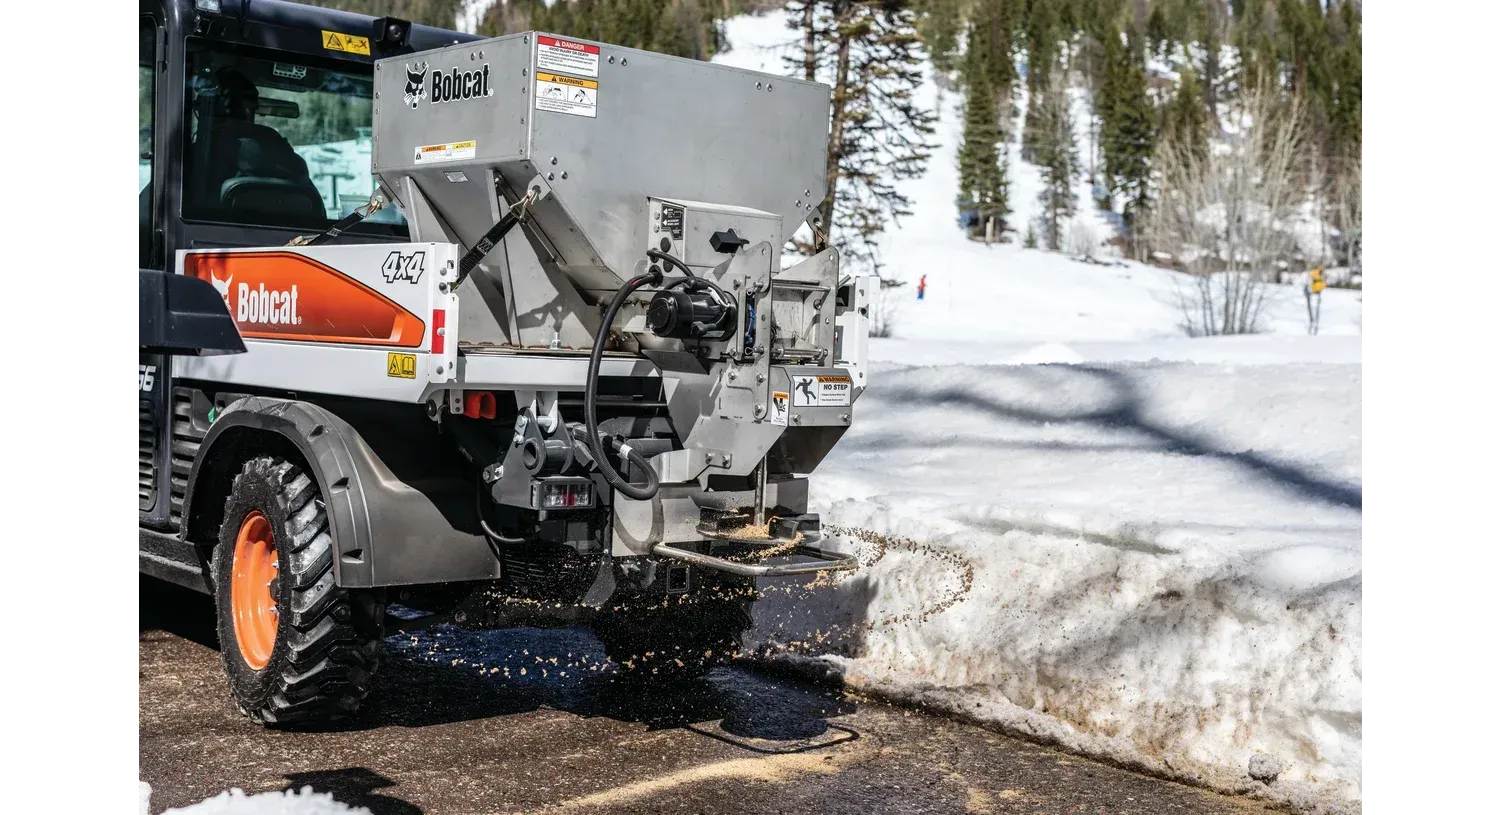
(821, 391)
(553, 54)
(566, 94)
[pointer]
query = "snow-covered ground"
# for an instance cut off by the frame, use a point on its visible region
(1089, 526)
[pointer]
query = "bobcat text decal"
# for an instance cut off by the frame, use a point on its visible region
(287, 296)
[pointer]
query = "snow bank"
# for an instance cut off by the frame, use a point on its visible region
(1083, 525)
(1158, 564)
(236, 802)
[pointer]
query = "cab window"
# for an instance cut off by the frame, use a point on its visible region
(277, 141)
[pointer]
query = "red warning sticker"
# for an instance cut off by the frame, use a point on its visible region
(553, 54)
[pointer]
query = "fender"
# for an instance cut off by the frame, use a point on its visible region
(385, 531)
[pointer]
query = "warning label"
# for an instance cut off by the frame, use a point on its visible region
(402, 366)
(429, 153)
(566, 94)
(821, 391)
(553, 54)
(779, 402)
(336, 41)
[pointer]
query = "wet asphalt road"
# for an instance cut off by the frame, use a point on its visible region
(454, 727)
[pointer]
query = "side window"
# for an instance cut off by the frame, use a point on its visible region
(278, 141)
(147, 92)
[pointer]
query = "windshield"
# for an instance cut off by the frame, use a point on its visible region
(278, 140)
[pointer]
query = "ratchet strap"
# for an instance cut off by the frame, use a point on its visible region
(496, 233)
(359, 214)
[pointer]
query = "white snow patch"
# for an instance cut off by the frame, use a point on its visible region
(236, 802)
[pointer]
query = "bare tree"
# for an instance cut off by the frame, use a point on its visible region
(1224, 214)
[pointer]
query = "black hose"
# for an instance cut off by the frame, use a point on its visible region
(695, 280)
(591, 399)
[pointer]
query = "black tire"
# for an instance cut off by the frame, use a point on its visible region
(678, 637)
(326, 650)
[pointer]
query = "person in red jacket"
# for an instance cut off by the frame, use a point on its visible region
(922, 287)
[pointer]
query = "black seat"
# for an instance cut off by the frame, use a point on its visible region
(282, 200)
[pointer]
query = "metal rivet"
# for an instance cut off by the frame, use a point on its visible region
(551, 176)
(442, 332)
(525, 39)
(554, 159)
(758, 86)
(760, 377)
(796, 418)
(624, 61)
(611, 59)
(523, 71)
(565, 174)
(732, 376)
(768, 87)
(439, 369)
(760, 410)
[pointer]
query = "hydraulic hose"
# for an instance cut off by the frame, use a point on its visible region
(691, 279)
(641, 492)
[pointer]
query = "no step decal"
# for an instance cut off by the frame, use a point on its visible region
(553, 54)
(821, 391)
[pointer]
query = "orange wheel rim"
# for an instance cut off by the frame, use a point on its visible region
(250, 597)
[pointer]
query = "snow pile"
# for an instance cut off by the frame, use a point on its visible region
(236, 802)
(1155, 563)
(1082, 524)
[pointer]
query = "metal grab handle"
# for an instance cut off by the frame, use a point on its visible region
(825, 563)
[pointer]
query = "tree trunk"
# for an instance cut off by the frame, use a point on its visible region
(809, 42)
(836, 130)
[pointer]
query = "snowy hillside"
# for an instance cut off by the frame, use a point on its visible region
(1149, 550)
(1000, 302)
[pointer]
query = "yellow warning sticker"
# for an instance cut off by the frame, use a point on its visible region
(558, 93)
(566, 80)
(403, 366)
(336, 41)
(429, 153)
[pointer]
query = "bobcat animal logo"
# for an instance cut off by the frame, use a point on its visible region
(221, 285)
(415, 77)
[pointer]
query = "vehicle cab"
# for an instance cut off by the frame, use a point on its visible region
(255, 121)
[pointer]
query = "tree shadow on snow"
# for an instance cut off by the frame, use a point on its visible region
(1125, 411)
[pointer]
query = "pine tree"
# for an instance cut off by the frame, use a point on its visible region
(1127, 137)
(993, 35)
(1158, 30)
(939, 22)
(1058, 159)
(878, 133)
(1254, 43)
(983, 188)
(1043, 34)
(1185, 120)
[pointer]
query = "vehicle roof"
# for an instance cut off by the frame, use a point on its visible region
(298, 27)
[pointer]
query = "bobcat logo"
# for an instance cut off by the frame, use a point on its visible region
(415, 77)
(221, 285)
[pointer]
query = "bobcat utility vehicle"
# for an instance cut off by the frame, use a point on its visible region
(518, 343)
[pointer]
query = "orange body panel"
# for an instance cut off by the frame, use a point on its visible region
(287, 296)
